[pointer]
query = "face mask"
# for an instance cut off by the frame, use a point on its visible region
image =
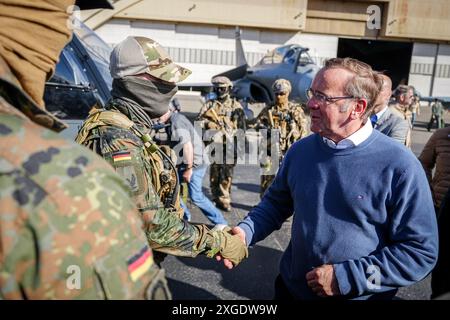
(32, 34)
(154, 97)
(222, 92)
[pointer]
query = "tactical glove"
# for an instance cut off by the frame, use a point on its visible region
(229, 246)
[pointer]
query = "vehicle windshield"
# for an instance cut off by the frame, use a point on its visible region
(97, 49)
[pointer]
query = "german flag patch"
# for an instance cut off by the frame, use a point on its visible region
(121, 156)
(140, 263)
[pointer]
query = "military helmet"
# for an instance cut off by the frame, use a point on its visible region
(136, 55)
(281, 85)
(221, 81)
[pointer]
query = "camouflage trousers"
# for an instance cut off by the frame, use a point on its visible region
(266, 181)
(220, 178)
(268, 173)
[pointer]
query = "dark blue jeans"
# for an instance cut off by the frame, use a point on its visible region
(199, 199)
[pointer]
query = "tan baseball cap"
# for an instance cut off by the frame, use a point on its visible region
(136, 55)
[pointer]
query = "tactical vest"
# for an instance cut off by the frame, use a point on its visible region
(284, 120)
(224, 114)
(157, 159)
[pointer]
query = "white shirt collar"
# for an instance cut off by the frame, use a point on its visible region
(352, 140)
(379, 114)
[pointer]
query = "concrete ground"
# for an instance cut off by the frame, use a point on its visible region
(202, 278)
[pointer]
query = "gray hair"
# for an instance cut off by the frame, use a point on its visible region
(365, 84)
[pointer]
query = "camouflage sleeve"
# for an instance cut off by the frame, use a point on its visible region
(205, 118)
(165, 230)
(262, 120)
(239, 115)
(167, 233)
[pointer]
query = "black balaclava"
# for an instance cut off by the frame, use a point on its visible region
(222, 95)
(152, 96)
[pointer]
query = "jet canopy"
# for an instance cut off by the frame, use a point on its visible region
(288, 54)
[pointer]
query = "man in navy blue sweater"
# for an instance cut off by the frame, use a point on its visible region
(363, 217)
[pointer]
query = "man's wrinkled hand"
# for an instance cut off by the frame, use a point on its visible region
(322, 281)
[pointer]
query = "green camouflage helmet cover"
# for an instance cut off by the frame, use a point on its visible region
(281, 85)
(136, 55)
(221, 81)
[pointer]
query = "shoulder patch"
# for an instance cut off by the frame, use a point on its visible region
(140, 263)
(121, 156)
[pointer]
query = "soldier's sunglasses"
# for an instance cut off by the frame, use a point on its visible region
(322, 98)
(280, 93)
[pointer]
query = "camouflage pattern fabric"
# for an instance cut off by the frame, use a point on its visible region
(64, 213)
(220, 178)
(147, 178)
(281, 85)
(136, 55)
(266, 181)
(221, 81)
(226, 117)
(285, 124)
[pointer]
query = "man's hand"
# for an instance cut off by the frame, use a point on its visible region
(323, 281)
(239, 233)
(187, 174)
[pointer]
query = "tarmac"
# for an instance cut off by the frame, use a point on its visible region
(205, 279)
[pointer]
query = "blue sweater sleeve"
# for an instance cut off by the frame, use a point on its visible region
(413, 244)
(275, 207)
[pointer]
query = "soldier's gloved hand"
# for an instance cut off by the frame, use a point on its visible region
(226, 246)
(232, 247)
(212, 125)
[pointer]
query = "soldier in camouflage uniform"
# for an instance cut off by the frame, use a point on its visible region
(285, 123)
(225, 115)
(144, 83)
(68, 227)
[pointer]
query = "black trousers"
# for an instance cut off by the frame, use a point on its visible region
(440, 278)
(282, 293)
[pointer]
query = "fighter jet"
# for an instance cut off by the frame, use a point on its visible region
(253, 84)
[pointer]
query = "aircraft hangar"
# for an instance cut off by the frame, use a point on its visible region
(409, 39)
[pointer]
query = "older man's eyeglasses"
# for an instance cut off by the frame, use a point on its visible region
(322, 98)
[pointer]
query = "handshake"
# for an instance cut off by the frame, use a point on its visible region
(229, 245)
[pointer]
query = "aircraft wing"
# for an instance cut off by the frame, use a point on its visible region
(444, 100)
(235, 73)
(203, 87)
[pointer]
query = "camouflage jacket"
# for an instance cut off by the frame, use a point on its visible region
(68, 227)
(226, 116)
(117, 139)
(290, 122)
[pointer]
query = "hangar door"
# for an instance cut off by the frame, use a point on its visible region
(391, 56)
